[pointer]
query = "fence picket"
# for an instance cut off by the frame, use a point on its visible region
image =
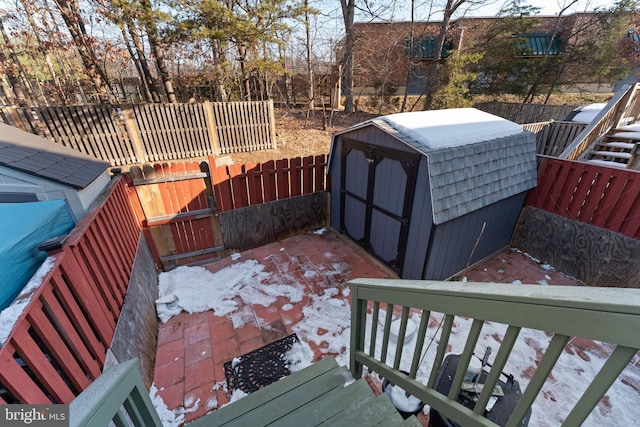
(295, 166)
(239, 186)
(17, 381)
(58, 349)
(269, 181)
(307, 175)
(596, 195)
(320, 171)
(283, 178)
(40, 365)
(254, 183)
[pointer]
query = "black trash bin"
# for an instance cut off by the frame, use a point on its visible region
(501, 410)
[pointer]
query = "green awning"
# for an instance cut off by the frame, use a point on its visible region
(539, 44)
(425, 47)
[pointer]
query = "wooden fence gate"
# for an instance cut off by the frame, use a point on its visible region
(182, 207)
(178, 212)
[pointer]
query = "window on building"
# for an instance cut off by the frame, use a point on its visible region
(425, 47)
(539, 44)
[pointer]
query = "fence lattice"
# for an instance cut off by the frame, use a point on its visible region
(135, 134)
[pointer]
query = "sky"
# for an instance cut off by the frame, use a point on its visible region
(327, 323)
(549, 7)
(490, 8)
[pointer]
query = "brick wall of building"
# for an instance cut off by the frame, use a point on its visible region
(380, 53)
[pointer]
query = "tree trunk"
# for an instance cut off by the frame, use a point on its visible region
(348, 13)
(243, 71)
(74, 22)
(157, 51)
(14, 70)
(36, 31)
(143, 64)
(218, 60)
(307, 27)
(432, 77)
(410, 65)
(53, 32)
(146, 93)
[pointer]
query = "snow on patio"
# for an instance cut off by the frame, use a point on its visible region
(297, 286)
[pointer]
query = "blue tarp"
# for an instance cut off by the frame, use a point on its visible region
(23, 226)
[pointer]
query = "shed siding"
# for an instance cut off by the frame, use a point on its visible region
(374, 136)
(451, 249)
(421, 225)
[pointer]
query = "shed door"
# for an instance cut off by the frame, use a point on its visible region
(376, 194)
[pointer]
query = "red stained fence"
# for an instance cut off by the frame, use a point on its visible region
(177, 203)
(238, 186)
(597, 195)
(175, 209)
(58, 343)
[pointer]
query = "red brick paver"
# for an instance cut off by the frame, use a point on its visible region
(192, 349)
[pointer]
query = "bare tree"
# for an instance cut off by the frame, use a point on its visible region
(13, 69)
(148, 19)
(348, 16)
(70, 11)
(307, 28)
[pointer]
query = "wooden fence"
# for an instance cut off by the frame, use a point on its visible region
(177, 204)
(238, 186)
(136, 134)
(597, 195)
(63, 326)
(553, 137)
(175, 208)
(526, 113)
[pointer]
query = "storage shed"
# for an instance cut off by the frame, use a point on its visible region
(432, 192)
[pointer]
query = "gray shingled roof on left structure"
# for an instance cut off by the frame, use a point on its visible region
(34, 155)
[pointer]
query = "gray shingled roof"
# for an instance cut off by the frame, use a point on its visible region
(468, 177)
(29, 153)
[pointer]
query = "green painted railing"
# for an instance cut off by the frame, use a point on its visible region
(118, 396)
(603, 314)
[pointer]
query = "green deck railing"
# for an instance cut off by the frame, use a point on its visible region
(603, 314)
(117, 397)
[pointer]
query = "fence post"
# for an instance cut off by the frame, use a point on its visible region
(14, 119)
(272, 124)
(211, 127)
(134, 134)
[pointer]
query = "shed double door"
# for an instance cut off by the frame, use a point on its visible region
(376, 190)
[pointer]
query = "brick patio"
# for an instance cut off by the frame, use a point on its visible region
(192, 348)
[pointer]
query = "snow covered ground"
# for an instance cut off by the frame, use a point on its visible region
(326, 324)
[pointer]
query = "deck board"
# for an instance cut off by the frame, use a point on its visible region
(370, 414)
(317, 395)
(355, 394)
